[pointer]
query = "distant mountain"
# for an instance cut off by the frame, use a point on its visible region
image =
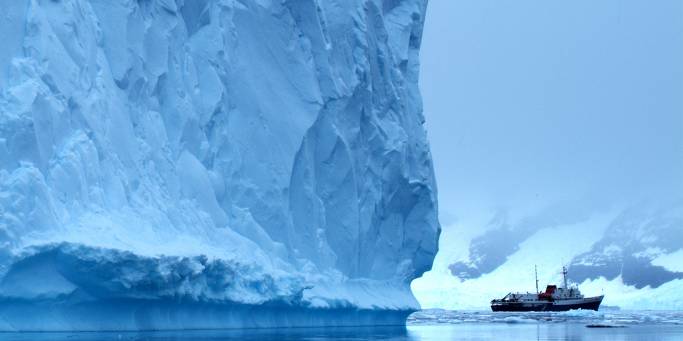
(631, 246)
(633, 254)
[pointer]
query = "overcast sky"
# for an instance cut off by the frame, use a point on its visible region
(534, 102)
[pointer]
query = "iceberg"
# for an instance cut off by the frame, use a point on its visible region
(172, 164)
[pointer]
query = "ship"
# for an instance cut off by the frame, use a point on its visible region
(554, 298)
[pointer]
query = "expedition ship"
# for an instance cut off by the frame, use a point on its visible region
(553, 299)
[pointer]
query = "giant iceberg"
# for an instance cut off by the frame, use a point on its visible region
(211, 163)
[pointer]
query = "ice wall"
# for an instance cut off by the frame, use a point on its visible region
(211, 163)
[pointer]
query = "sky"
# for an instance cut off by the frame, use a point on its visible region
(546, 120)
(531, 103)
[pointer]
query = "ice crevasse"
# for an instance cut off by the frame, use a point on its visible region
(211, 163)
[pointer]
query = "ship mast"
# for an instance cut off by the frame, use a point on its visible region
(536, 274)
(564, 275)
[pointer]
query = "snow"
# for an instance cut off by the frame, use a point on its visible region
(440, 289)
(671, 261)
(665, 297)
(212, 163)
(630, 254)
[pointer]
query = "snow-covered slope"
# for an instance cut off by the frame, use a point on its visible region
(211, 163)
(632, 254)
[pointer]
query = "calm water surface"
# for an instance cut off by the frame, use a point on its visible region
(436, 325)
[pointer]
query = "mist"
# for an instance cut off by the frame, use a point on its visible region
(546, 114)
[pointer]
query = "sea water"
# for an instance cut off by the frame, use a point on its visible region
(435, 325)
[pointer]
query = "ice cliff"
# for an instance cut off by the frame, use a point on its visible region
(211, 163)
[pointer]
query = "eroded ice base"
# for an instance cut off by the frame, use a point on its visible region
(131, 315)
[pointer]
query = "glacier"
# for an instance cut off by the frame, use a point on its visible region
(171, 164)
(632, 253)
